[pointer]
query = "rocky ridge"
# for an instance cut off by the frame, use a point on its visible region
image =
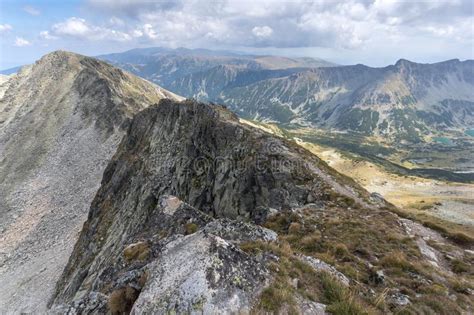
(61, 120)
(176, 226)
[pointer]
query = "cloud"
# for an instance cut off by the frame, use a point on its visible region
(21, 42)
(145, 31)
(46, 35)
(132, 8)
(262, 31)
(79, 28)
(351, 24)
(5, 28)
(31, 10)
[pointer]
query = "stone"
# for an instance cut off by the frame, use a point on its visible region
(320, 265)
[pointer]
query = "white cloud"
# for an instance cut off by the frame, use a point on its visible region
(116, 21)
(5, 28)
(21, 42)
(79, 28)
(350, 24)
(262, 31)
(145, 31)
(72, 27)
(46, 35)
(149, 32)
(31, 10)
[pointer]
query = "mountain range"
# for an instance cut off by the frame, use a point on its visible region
(119, 197)
(404, 102)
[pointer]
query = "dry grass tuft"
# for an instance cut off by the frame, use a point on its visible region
(137, 251)
(190, 228)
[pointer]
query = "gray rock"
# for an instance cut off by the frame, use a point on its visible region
(377, 277)
(398, 298)
(320, 265)
(204, 271)
(61, 121)
(201, 274)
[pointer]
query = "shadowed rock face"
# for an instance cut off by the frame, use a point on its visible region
(205, 157)
(61, 120)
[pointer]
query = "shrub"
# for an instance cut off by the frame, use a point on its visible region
(121, 300)
(136, 251)
(341, 251)
(274, 297)
(339, 299)
(346, 307)
(334, 291)
(294, 228)
(396, 260)
(459, 266)
(310, 243)
(190, 228)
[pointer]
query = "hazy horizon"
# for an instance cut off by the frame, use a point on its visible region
(238, 52)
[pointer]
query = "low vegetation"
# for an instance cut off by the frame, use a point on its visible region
(121, 300)
(362, 245)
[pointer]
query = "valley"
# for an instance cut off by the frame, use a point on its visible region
(421, 197)
(435, 194)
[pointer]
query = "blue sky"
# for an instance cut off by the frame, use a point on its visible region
(373, 32)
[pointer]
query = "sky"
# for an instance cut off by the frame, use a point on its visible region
(372, 32)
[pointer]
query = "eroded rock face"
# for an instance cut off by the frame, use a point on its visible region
(230, 172)
(202, 272)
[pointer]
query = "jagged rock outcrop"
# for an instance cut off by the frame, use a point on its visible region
(192, 265)
(61, 120)
(205, 157)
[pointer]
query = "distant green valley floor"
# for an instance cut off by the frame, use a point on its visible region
(380, 168)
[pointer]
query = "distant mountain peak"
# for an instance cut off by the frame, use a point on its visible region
(404, 62)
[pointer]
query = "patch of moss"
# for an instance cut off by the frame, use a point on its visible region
(137, 251)
(190, 228)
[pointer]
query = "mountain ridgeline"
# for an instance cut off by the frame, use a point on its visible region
(61, 120)
(402, 102)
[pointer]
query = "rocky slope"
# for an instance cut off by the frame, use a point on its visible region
(176, 227)
(61, 120)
